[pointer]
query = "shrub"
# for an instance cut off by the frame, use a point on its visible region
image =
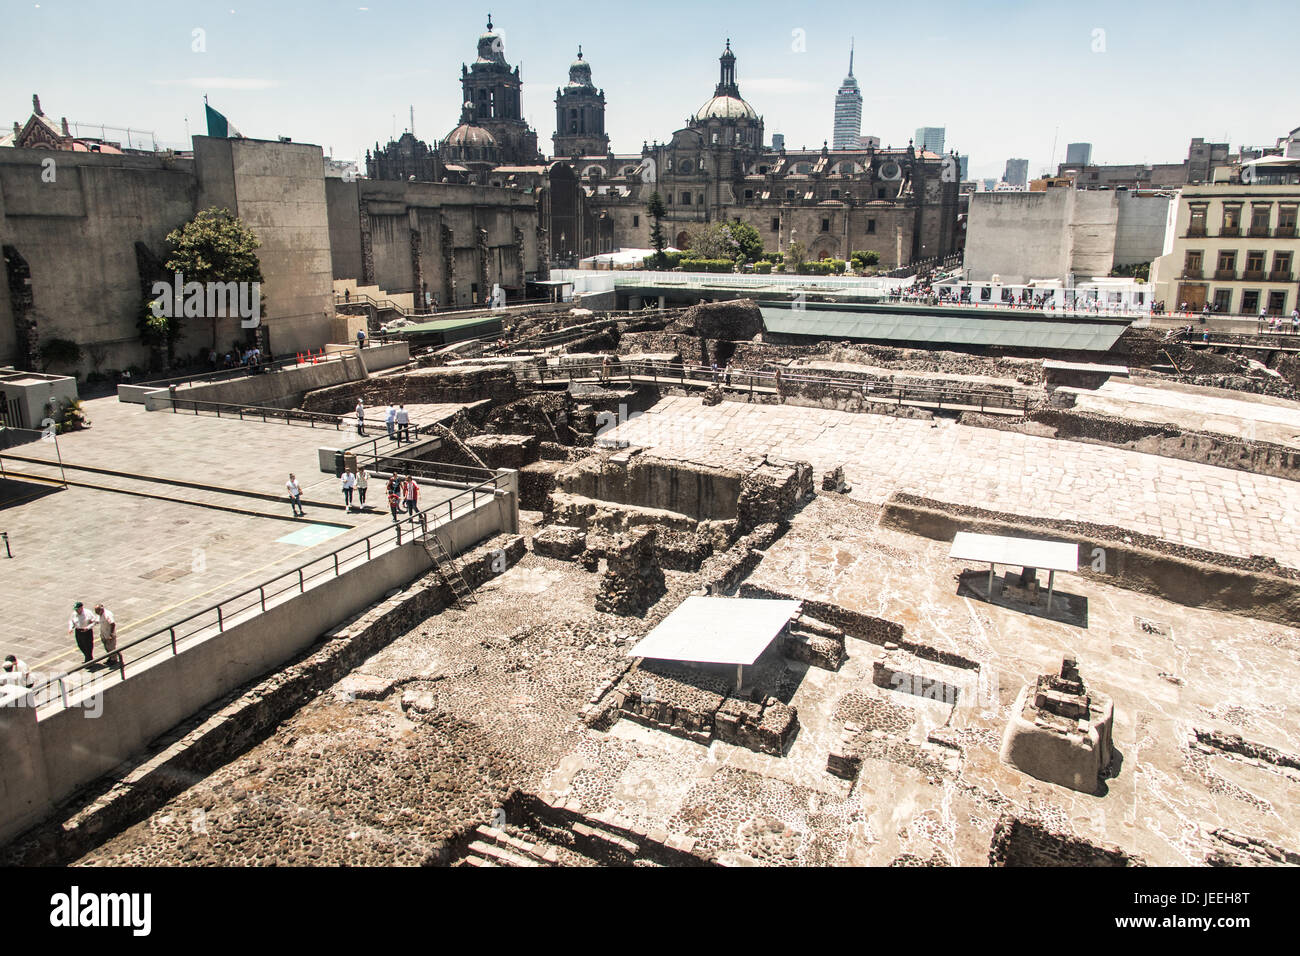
(59, 352)
(763, 267)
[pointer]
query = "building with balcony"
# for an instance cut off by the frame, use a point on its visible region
(1233, 247)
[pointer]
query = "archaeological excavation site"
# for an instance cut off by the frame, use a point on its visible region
(682, 590)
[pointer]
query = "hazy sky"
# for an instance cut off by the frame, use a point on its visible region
(1137, 80)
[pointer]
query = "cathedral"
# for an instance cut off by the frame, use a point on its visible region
(901, 203)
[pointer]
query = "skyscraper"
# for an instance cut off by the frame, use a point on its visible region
(931, 138)
(778, 141)
(1078, 154)
(848, 110)
(1017, 173)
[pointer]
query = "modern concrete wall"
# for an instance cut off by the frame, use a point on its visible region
(278, 189)
(1093, 222)
(43, 762)
(280, 389)
(1141, 227)
(1018, 235)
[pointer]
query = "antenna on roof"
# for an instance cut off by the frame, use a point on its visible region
(850, 56)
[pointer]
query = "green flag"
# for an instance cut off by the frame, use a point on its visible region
(218, 125)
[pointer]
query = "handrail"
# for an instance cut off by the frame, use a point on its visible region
(743, 378)
(297, 578)
(290, 416)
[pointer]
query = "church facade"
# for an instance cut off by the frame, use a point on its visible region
(902, 203)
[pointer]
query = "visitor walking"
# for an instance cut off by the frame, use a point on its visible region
(1295, 321)
(295, 496)
(389, 415)
(349, 482)
(394, 489)
(363, 481)
(361, 338)
(108, 635)
(82, 624)
(361, 418)
(411, 494)
(403, 420)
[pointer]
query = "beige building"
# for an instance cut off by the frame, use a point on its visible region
(1234, 247)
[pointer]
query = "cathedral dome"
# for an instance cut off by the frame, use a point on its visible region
(726, 107)
(580, 74)
(467, 134)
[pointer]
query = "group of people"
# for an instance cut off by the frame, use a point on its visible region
(250, 358)
(15, 671)
(397, 421)
(1277, 323)
(358, 483)
(82, 624)
(403, 493)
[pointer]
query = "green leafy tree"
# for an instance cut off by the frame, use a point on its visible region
(160, 333)
(657, 211)
(735, 240)
(795, 256)
(215, 246)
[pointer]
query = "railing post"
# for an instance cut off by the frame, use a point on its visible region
(336, 564)
(221, 621)
(367, 548)
(63, 691)
(261, 590)
(301, 587)
(172, 631)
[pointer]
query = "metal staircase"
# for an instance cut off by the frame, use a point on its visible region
(449, 569)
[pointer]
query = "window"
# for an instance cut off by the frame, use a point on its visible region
(686, 199)
(789, 194)
(1276, 302)
(776, 224)
(880, 193)
(826, 225)
(1227, 268)
(1250, 302)
(1222, 300)
(1259, 216)
(1282, 266)
(1286, 216)
(1231, 220)
(871, 226)
(699, 199)
(636, 221)
(1192, 267)
(986, 294)
(762, 170)
(1255, 264)
(835, 194)
(749, 194)
(1196, 226)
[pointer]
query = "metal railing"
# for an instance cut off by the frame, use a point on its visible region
(290, 416)
(875, 390)
(175, 638)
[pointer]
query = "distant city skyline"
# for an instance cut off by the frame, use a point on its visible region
(271, 72)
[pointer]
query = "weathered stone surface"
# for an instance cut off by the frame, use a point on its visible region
(560, 541)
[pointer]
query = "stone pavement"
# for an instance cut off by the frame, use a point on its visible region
(1222, 510)
(153, 561)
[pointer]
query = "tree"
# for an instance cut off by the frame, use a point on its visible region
(215, 246)
(160, 333)
(657, 211)
(735, 240)
(795, 255)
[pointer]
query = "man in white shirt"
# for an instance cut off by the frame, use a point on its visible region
(361, 418)
(403, 419)
(15, 672)
(349, 482)
(389, 417)
(82, 624)
(295, 496)
(108, 635)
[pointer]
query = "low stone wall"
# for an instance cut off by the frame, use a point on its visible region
(1166, 440)
(536, 482)
(1256, 586)
(419, 387)
(698, 491)
(1018, 842)
(874, 630)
